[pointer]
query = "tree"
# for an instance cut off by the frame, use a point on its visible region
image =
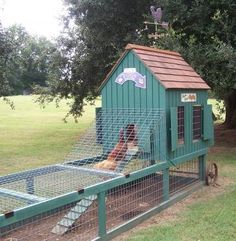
(25, 60)
(204, 32)
(5, 51)
(29, 62)
(96, 32)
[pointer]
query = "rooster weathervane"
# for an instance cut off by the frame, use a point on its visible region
(157, 17)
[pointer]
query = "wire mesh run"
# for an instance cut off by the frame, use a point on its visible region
(79, 221)
(183, 175)
(29, 187)
(120, 140)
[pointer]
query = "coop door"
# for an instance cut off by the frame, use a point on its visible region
(208, 131)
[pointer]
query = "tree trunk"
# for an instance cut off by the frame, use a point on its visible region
(230, 105)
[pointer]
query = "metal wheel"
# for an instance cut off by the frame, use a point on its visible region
(211, 174)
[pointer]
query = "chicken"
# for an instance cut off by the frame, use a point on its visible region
(117, 154)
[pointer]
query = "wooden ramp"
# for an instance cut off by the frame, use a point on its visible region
(73, 215)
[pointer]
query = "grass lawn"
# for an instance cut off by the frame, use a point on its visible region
(31, 136)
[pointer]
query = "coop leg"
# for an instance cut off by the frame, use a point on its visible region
(166, 186)
(202, 167)
(101, 214)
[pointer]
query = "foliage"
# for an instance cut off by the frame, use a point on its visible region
(5, 50)
(25, 60)
(96, 32)
(204, 32)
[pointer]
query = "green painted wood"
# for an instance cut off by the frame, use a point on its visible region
(101, 214)
(21, 196)
(189, 156)
(174, 128)
(207, 122)
(148, 214)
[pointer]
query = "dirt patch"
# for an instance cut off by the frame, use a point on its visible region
(224, 137)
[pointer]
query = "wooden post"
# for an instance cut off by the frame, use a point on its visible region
(202, 167)
(101, 214)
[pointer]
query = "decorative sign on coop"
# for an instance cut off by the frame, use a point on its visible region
(132, 74)
(188, 97)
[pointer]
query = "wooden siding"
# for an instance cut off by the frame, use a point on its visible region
(127, 95)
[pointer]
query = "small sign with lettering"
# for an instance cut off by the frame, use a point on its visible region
(188, 97)
(132, 74)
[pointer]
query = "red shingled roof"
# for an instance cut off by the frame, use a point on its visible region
(167, 66)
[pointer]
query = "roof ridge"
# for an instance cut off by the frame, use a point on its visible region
(135, 46)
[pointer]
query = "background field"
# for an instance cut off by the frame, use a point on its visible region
(31, 137)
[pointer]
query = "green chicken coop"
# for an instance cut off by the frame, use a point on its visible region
(145, 150)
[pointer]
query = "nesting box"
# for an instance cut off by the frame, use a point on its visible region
(147, 78)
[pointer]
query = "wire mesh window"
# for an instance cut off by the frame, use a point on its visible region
(197, 123)
(180, 124)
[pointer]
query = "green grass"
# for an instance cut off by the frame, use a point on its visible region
(213, 220)
(31, 136)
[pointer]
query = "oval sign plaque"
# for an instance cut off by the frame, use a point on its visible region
(131, 74)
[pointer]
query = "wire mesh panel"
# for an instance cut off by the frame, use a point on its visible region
(21, 189)
(121, 140)
(41, 227)
(183, 175)
(130, 200)
(119, 136)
